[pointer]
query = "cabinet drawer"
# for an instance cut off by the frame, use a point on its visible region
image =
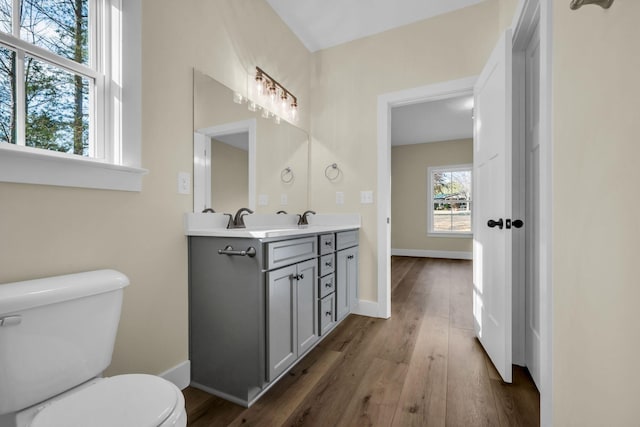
(327, 243)
(327, 285)
(288, 252)
(346, 239)
(327, 313)
(327, 264)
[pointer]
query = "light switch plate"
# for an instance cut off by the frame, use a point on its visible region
(366, 197)
(284, 199)
(184, 183)
(339, 198)
(263, 200)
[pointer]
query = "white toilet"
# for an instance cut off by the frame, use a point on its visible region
(56, 338)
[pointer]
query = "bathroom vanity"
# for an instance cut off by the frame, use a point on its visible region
(259, 300)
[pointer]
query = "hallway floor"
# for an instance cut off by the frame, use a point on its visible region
(421, 367)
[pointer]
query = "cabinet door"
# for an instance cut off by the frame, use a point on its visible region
(307, 306)
(342, 289)
(346, 281)
(282, 323)
(352, 277)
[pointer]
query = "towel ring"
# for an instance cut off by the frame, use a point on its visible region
(577, 4)
(328, 173)
(286, 175)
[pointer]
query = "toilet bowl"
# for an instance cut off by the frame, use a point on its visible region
(57, 336)
(134, 400)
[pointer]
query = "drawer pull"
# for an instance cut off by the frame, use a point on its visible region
(328, 243)
(328, 264)
(328, 313)
(328, 285)
(228, 250)
(350, 257)
(297, 276)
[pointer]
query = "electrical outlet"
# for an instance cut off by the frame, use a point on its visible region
(184, 183)
(284, 200)
(366, 197)
(263, 200)
(339, 198)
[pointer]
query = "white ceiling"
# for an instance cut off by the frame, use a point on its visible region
(237, 140)
(434, 121)
(320, 24)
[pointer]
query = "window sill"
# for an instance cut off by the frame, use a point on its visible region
(454, 235)
(31, 166)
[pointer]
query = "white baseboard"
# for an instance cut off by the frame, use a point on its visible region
(180, 374)
(367, 308)
(422, 253)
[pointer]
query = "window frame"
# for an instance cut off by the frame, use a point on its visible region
(430, 210)
(117, 110)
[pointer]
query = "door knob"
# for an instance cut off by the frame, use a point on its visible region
(491, 223)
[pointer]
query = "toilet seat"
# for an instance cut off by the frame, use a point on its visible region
(135, 400)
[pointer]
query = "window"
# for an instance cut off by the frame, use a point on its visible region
(69, 93)
(449, 200)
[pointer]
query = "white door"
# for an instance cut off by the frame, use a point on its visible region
(492, 211)
(532, 215)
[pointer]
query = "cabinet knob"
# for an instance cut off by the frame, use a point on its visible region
(327, 285)
(328, 264)
(350, 257)
(328, 313)
(328, 243)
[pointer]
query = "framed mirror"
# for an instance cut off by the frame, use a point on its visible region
(242, 159)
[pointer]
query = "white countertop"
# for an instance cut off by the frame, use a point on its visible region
(213, 225)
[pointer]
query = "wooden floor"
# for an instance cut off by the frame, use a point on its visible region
(421, 367)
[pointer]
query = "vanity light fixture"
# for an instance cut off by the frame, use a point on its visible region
(267, 93)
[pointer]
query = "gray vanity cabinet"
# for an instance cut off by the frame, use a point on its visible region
(346, 273)
(291, 315)
(257, 305)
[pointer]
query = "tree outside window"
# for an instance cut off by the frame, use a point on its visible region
(44, 101)
(450, 199)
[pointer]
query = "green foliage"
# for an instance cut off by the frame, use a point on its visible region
(56, 100)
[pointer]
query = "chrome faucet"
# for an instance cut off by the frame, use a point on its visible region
(238, 220)
(303, 217)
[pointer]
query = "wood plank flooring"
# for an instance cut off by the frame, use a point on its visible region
(421, 367)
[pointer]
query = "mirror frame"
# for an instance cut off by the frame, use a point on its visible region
(202, 161)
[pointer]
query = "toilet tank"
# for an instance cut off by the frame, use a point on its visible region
(56, 333)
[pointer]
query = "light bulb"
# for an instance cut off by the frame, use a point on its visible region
(259, 84)
(265, 113)
(294, 111)
(272, 93)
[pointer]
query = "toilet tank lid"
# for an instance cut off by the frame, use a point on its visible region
(18, 296)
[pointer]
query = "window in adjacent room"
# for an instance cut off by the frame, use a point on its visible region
(450, 201)
(61, 93)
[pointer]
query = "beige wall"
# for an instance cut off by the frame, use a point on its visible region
(346, 81)
(229, 177)
(596, 289)
(50, 230)
(409, 192)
